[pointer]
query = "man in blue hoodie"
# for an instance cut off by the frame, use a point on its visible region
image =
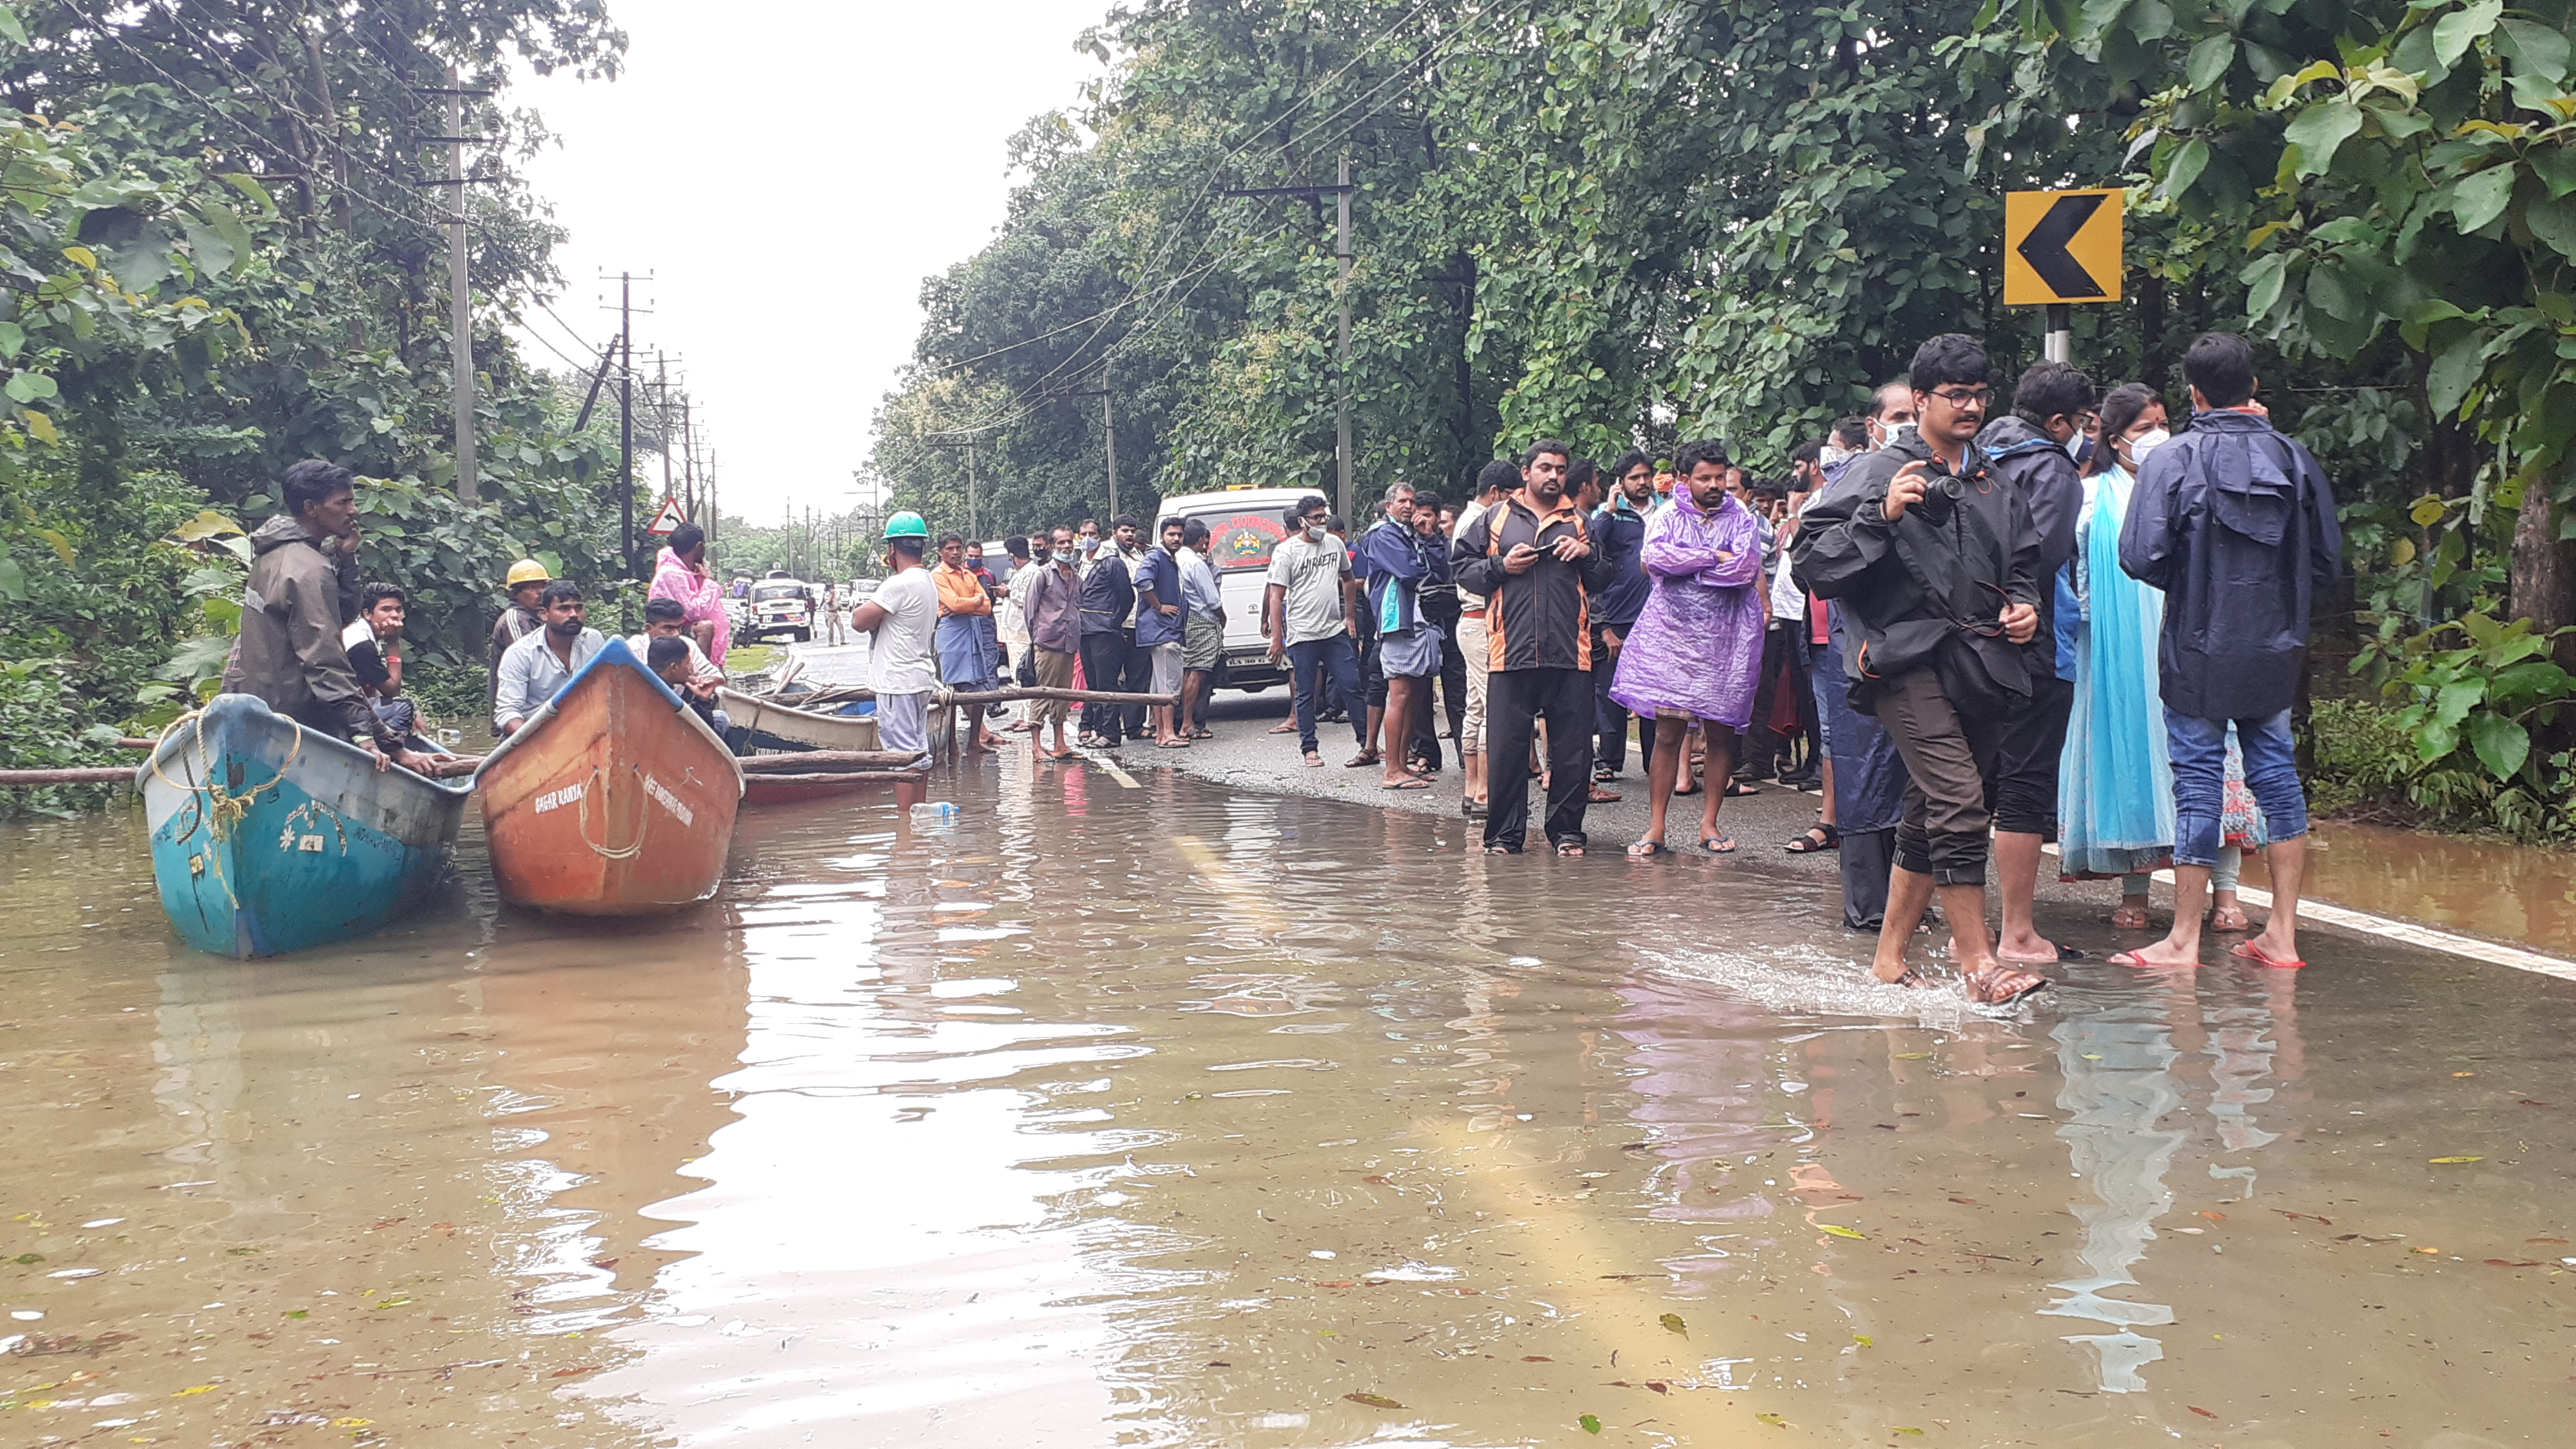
(1392, 567)
(2236, 523)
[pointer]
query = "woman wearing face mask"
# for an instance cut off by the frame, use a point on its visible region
(2115, 791)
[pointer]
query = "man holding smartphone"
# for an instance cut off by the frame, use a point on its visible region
(1531, 556)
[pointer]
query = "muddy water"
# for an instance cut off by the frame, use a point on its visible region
(1154, 1115)
(2485, 887)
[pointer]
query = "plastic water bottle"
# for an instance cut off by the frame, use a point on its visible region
(934, 810)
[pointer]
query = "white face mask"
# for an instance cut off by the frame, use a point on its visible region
(2147, 442)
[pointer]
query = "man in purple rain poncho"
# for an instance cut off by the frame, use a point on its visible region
(1696, 650)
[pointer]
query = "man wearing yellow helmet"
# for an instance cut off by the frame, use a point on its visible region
(527, 580)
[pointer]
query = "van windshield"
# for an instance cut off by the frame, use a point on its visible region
(766, 592)
(1238, 541)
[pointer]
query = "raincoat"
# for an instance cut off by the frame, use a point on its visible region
(1697, 644)
(289, 653)
(702, 596)
(2115, 801)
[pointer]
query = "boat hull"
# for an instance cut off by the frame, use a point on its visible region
(269, 838)
(614, 799)
(769, 790)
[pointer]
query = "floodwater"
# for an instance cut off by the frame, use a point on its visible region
(1168, 1115)
(2490, 888)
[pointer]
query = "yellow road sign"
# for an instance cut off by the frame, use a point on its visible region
(2061, 246)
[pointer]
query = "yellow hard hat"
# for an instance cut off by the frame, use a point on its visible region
(528, 571)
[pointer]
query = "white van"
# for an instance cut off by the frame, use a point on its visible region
(1243, 525)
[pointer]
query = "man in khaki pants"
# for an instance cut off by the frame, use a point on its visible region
(1498, 479)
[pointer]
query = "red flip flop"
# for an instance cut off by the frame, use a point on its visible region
(2254, 953)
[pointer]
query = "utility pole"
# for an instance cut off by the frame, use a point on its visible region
(1109, 443)
(460, 295)
(1342, 249)
(971, 499)
(689, 466)
(1342, 360)
(662, 414)
(626, 418)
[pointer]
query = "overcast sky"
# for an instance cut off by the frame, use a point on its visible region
(789, 171)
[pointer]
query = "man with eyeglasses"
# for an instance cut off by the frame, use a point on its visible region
(2033, 448)
(1935, 562)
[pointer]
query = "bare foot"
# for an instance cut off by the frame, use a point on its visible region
(2164, 955)
(2034, 950)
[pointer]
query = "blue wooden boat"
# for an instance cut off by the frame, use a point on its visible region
(268, 837)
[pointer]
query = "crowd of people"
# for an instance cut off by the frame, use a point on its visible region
(1977, 627)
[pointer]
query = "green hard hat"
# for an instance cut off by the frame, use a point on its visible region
(907, 524)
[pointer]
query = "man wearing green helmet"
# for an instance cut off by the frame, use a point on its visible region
(900, 622)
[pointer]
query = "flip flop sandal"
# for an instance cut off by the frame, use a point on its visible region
(1983, 988)
(1173, 744)
(1502, 850)
(1202, 733)
(1692, 790)
(1603, 774)
(1718, 844)
(1738, 789)
(1568, 848)
(1472, 809)
(1360, 762)
(1911, 979)
(2249, 951)
(1606, 797)
(1284, 727)
(2121, 920)
(1647, 850)
(2238, 924)
(1314, 761)
(1410, 782)
(1819, 837)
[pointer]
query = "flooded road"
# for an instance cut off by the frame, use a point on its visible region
(1112, 1115)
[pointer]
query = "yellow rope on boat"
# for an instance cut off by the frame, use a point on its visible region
(222, 810)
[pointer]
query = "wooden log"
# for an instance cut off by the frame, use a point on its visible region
(826, 762)
(838, 776)
(84, 775)
(1008, 693)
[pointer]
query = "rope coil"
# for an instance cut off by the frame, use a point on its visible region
(219, 809)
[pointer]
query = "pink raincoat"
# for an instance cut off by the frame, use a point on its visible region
(702, 596)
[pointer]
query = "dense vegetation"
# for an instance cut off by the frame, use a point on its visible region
(221, 254)
(1623, 221)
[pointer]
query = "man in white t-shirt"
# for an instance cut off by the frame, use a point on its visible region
(901, 622)
(1492, 485)
(1310, 612)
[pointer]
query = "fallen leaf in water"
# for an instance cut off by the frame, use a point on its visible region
(1588, 1423)
(2215, 1217)
(351, 1423)
(603, 1262)
(2515, 1263)
(1218, 1363)
(1839, 1231)
(299, 1313)
(2311, 1217)
(1329, 1332)
(1536, 1358)
(1774, 1420)
(568, 1373)
(2367, 1238)
(1379, 1180)
(1905, 1429)
(2197, 1409)
(2459, 1159)
(2464, 1074)
(194, 1389)
(2544, 1240)
(1864, 1340)
(1374, 1401)
(1338, 1283)
(1673, 1322)
(1468, 1292)
(2428, 1251)
(1913, 1056)
(2526, 1101)
(2092, 1056)
(1972, 1202)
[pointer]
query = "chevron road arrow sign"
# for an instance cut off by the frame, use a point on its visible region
(2061, 246)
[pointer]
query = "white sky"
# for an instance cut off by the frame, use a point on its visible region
(790, 171)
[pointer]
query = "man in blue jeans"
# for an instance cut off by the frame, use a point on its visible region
(1310, 611)
(2236, 524)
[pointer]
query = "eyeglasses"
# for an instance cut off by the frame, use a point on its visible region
(1972, 397)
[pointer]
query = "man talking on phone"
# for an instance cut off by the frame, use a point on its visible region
(1935, 562)
(1533, 560)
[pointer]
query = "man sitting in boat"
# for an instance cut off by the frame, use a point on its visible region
(669, 619)
(545, 661)
(289, 654)
(369, 642)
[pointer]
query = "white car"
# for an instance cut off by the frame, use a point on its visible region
(781, 605)
(1243, 525)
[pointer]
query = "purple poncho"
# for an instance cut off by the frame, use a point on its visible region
(1697, 648)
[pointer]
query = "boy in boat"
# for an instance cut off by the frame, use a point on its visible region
(673, 657)
(369, 641)
(669, 619)
(289, 654)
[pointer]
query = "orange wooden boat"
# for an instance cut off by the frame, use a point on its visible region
(614, 799)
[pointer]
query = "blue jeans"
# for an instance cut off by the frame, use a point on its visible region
(1339, 663)
(2199, 750)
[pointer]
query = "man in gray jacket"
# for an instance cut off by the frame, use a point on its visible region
(289, 653)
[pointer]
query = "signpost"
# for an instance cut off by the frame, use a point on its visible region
(2060, 248)
(668, 520)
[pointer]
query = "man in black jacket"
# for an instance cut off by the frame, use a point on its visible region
(1532, 558)
(2028, 446)
(2236, 524)
(1935, 563)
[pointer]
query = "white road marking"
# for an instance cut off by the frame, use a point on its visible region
(1111, 765)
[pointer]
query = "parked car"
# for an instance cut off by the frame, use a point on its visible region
(1243, 525)
(781, 604)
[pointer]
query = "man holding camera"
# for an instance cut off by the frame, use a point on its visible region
(1935, 562)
